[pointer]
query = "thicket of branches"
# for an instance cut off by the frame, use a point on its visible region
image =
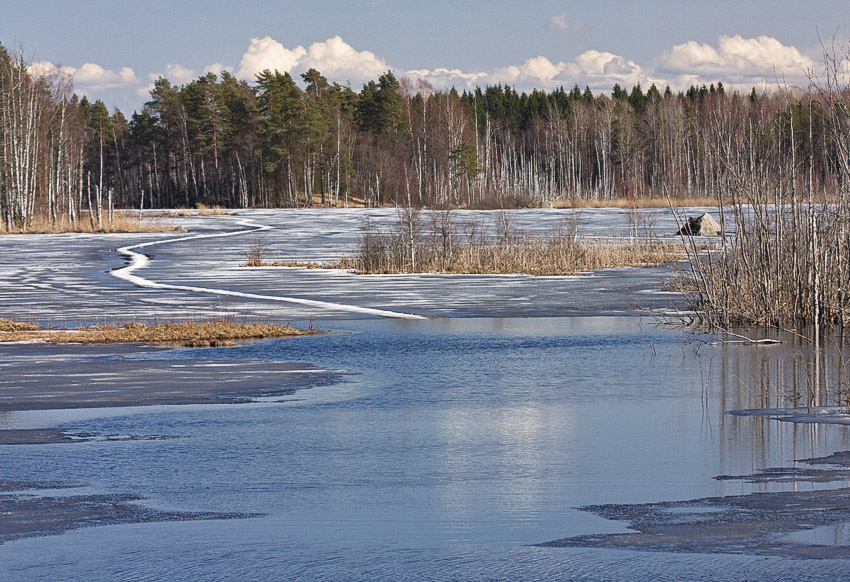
(788, 263)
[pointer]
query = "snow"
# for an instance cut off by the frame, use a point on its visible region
(139, 261)
(67, 279)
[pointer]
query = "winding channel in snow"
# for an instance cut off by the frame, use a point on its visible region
(140, 261)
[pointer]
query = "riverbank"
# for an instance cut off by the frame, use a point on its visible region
(67, 376)
(210, 333)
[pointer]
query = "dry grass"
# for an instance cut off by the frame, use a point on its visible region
(9, 326)
(204, 210)
(120, 223)
(353, 201)
(413, 247)
(534, 256)
(633, 203)
(192, 334)
(254, 256)
(301, 265)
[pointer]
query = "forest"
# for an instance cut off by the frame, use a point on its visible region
(283, 141)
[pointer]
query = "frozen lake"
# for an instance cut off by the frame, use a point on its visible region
(436, 448)
(50, 278)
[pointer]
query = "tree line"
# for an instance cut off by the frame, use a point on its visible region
(283, 141)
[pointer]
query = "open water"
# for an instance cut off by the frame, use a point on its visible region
(448, 449)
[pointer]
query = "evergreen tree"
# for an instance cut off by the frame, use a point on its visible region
(281, 128)
(381, 106)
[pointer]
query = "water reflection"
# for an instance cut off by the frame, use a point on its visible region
(764, 381)
(498, 443)
(800, 372)
(447, 437)
(827, 535)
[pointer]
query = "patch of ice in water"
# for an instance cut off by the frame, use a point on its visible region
(702, 509)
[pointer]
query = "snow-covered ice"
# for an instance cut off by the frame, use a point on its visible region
(66, 278)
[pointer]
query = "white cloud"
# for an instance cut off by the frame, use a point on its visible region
(93, 77)
(561, 22)
(334, 58)
(178, 74)
(217, 68)
(605, 64)
(267, 53)
(737, 60)
(596, 69)
(444, 78)
(48, 69)
(89, 77)
(538, 68)
(337, 59)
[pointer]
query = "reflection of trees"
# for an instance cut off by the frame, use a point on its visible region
(793, 375)
(798, 373)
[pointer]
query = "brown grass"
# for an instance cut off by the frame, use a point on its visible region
(192, 334)
(624, 203)
(413, 247)
(302, 265)
(534, 256)
(9, 326)
(120, 223)
(204, 210)
(201, 209)
(632, 203)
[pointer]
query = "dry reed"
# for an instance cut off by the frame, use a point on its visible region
(785, 266)
(121, 222)
(193, 334)
(634, 203)
(204, 210)
(410, 248)
(9, 326)
(533, 256)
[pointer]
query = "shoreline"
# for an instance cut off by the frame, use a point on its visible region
(802, 524)
(37, 509)
(69, 376)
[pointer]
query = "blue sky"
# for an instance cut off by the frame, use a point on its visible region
(113, 50)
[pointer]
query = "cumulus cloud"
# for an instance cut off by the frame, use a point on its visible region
(442, 78)
(89, 77)
(536, 72)
(736, 59)
(48, 69)
(334, 58)
(217, 68)
(538, 68)
(178, 74)
(92, 76)
(596, 69)
(561, 22)
(267, 53)
(605, 64)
